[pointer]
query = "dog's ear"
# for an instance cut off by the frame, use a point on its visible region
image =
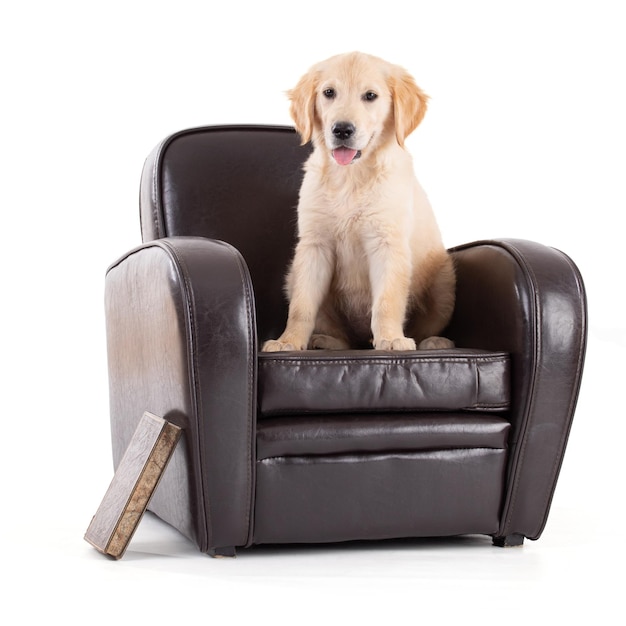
(302, 107)
(409, 104)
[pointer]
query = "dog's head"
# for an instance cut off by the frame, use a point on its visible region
(352, 102)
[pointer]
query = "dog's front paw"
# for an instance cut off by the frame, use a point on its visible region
(285, 343)
(436, 343)
(275, 345)
(399, 343)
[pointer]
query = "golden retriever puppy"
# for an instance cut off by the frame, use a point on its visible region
(369, 267)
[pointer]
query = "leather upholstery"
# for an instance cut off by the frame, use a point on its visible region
(378, 381)
(234, 183)
(330, 434)
(529, 300)
(378, 496)
(318, 446)
(172, 306)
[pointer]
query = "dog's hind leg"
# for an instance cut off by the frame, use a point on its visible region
(434, 308)
(328, 333)
(326, 342)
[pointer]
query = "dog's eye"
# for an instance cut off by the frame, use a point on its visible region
(369, 96)
(329, 93)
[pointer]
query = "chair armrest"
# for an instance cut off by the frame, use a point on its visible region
(529, 300)
(181, 340)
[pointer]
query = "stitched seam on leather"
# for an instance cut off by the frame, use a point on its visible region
(477, 384)
(378, 361)
(536, 315)
(251, 392)
(573, 399)
(184, 272)
(291, 411)
(157, 204)
(155, 198)
(379, 455)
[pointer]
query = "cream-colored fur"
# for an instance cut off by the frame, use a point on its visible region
(369, 264)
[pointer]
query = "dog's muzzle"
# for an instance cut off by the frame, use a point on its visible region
(343, 132)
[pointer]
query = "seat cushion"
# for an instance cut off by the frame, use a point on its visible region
(351, 434)
(321, 381)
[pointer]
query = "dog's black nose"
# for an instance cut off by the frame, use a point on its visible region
(343, 130)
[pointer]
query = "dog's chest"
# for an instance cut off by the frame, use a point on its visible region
(351, 278)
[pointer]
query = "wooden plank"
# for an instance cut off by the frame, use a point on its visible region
(133, 484)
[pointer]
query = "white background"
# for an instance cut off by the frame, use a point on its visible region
(525, 137)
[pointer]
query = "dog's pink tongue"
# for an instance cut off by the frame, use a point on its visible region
(344, 156)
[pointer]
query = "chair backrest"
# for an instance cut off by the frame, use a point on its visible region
(238, 184)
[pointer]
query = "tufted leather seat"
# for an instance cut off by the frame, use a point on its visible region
(321, 446)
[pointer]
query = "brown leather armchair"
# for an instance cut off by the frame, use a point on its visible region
(325, 446)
